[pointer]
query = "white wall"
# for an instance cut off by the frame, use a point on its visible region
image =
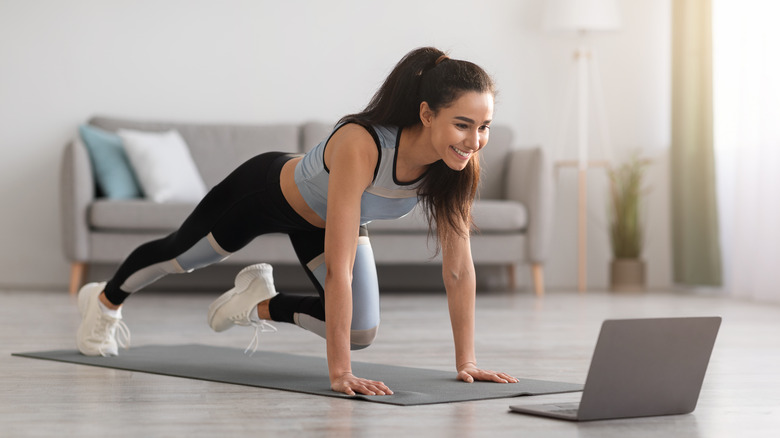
(265, 61)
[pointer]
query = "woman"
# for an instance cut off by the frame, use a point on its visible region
(417, 140)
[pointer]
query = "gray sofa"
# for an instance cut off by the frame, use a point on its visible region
(513, 211)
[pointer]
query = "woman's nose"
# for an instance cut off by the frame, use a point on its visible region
(472, 140)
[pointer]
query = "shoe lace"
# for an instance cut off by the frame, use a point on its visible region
(122, 335)
(108, 327)
(260, 327)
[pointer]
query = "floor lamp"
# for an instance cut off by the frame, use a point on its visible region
(582, 17)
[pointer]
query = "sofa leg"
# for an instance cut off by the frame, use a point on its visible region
(78, 271)
(537, 273)
(511, 279)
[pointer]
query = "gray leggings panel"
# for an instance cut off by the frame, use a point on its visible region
(205, 252)
(365, 285)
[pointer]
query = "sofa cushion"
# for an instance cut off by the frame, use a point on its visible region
(490, 216)
(138, 215)
(164, 166)
(493, 216)
(110, 164)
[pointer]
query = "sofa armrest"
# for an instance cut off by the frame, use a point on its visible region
(529, 181)
(77, 191)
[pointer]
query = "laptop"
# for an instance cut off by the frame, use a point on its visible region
(640, 368)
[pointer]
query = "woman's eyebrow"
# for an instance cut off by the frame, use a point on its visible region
(468, 120)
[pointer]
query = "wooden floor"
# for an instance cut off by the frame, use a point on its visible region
(551, 339)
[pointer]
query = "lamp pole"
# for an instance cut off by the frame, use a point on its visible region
(582, 17)
(582, 56)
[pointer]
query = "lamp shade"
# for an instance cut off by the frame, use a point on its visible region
(581, 15)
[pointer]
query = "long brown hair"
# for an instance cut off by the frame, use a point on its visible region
(428, 75)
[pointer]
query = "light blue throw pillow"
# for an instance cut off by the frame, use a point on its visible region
(112, 168)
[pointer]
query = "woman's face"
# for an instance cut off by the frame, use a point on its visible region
(461, 129)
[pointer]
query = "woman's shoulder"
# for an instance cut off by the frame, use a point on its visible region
(354, 133)
(350, 142)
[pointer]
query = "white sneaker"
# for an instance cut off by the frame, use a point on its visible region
(254, 284)
(97, 334)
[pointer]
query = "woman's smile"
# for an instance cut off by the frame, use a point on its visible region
(465, 155)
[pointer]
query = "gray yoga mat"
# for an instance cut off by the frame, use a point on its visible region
(306, 374)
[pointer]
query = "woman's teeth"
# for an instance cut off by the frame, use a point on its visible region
(460, 152)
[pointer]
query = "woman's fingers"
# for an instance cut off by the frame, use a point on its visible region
(352, 385)
(465, 376)
(370, 387)
(471, 374)
(508, 378)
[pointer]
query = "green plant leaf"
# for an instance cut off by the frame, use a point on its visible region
(626, 229)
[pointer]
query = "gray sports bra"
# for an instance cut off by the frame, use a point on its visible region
(385, 198)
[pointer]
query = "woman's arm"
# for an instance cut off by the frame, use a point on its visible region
(351, 156)
(460, 282)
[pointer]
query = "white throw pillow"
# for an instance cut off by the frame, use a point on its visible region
(164, 166)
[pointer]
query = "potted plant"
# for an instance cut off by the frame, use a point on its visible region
(626, 228)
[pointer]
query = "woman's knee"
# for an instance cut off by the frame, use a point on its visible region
(361, 339)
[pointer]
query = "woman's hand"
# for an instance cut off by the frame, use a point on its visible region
(350, 385)
(469, 373)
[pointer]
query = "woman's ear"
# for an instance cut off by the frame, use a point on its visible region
(426, 114)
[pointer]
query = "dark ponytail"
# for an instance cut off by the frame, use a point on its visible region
(428, 75)
(397, 101)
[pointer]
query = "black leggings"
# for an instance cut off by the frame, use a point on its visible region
(247, 204)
